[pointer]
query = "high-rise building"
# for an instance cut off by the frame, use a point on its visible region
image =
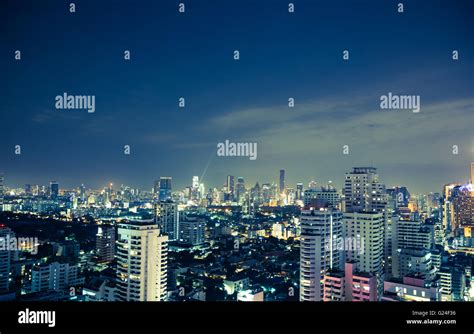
(411, 246)
(195, 188)
(462, 198)
(472, 172)
(368, 228)
(230, 188)
(142, 262)
(299, 191)
(82, 193)
(240, 188)
(192, 231)
(363, 192)
(165, 188)
(282, 181)
(54, 189)
(156, 189)
(448, 212)
(59, 277)
(1, 191)
(320, 231)
(105, 243)
(167, 219)
(6, 257)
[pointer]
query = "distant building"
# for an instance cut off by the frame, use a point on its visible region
(411, 249)
(165, 188)
(192, 231)
(167, 218)
(299, 191)
(59, 277)
(230, 188)
(472, 172)
(105, 243)
(2, 192)
(278, 230)
(325, 194)
(363, 192)
(462, 198)
(54, 189)
(240, 189)
(282, 181)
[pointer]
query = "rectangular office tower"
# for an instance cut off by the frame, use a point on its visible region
(167, 219)
(363, 192)
(142, 262)
(192, 231)
(105, 243)
(165, 188)
(320, 231)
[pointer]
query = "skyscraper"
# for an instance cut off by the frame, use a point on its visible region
(230, 187)
(240, 188)
(299, 191)
(54, 189)
(165, 188)
(83, 193)
(368, 227)
(320, 231)
(282, 181)
(1, 191)
(462, 198)
(195, 188)
(142, 262)
(363, 192)
(105, 243)
(167, 219)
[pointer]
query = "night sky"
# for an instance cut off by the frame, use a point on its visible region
(190, 55)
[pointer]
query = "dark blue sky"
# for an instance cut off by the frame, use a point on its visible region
(282, 55)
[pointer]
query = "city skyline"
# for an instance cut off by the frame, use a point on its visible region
(336, 101)
(337, 184)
